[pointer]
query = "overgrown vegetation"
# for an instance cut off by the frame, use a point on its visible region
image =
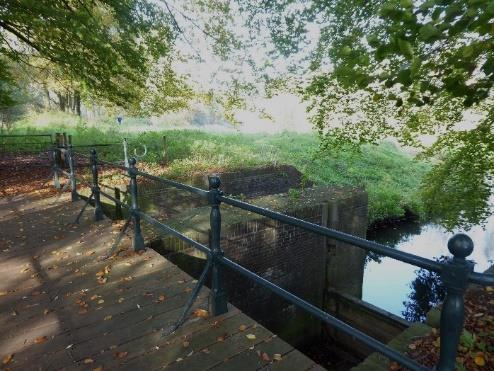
(391, 177)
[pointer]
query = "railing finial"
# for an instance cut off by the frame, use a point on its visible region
(460, 245)
(214, 182)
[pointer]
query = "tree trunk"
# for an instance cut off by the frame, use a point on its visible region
(77, 102)
(61, 101)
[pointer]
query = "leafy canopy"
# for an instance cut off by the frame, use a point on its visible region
(107, 47)
(373, 69)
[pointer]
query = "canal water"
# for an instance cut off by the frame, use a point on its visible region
(387, 282)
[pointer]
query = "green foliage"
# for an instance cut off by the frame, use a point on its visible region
(107, 49)
(403, 69)
(391, 177)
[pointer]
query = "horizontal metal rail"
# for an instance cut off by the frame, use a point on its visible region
(173, 232)
(172, 183)
(481, 279)
(323, 316)
(24, 135)
(95, 145)
(337, 235)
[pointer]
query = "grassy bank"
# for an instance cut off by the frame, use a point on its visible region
(390, 176)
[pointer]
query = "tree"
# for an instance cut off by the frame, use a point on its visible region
(104, 48)
(378, 68)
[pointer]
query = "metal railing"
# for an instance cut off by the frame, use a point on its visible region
(456, 273)
(15, 143)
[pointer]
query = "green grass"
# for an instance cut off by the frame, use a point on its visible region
(391, 178)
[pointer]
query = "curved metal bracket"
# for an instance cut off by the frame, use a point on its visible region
(144, 154)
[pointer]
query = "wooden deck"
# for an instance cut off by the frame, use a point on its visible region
(63, 307)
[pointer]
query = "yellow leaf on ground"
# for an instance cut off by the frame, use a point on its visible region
(107, 318)
(88, 360)
(277, 357)
(7, 359)
(479, 360)
(242, 328)
(251, 336)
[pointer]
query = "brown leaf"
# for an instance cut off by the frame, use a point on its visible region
(99, 368)
(8, 358)
(394, 366)
(185, 344)
(46, 311)
(40, 339)
(201, 313)
(242, 328)
(265, 357)
(107, 318)
(121, 354)
(161, 299)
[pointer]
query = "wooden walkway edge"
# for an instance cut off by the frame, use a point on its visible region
(62, 306)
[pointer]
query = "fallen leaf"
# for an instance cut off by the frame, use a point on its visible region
(251, 336)
(40, 339)
(121, 300)
(185, 344)
(99, 368)
(107, 318)
(7, 359)
(394, 366)
(479, 360)
(201, 313)
(88, 360)
(265, 357)
(242, 328)
(161, 298)
(277, 357)
(46, 311)
(101, 301)
(3, 293)
(121, 354)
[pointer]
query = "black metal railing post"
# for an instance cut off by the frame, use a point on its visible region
(98, 210)
(73, 184)
(218, 300)
(57, 159)
(138, 241)
(455, 277)
(118, 205)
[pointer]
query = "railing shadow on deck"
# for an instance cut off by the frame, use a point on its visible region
(456, 273)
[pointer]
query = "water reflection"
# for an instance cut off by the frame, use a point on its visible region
(389, 283)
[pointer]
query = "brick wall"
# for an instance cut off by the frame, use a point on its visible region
(297, 260)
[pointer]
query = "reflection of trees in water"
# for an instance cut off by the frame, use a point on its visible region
(427, 292)
(391, 234)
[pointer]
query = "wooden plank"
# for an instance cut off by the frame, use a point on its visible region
(55, 314)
